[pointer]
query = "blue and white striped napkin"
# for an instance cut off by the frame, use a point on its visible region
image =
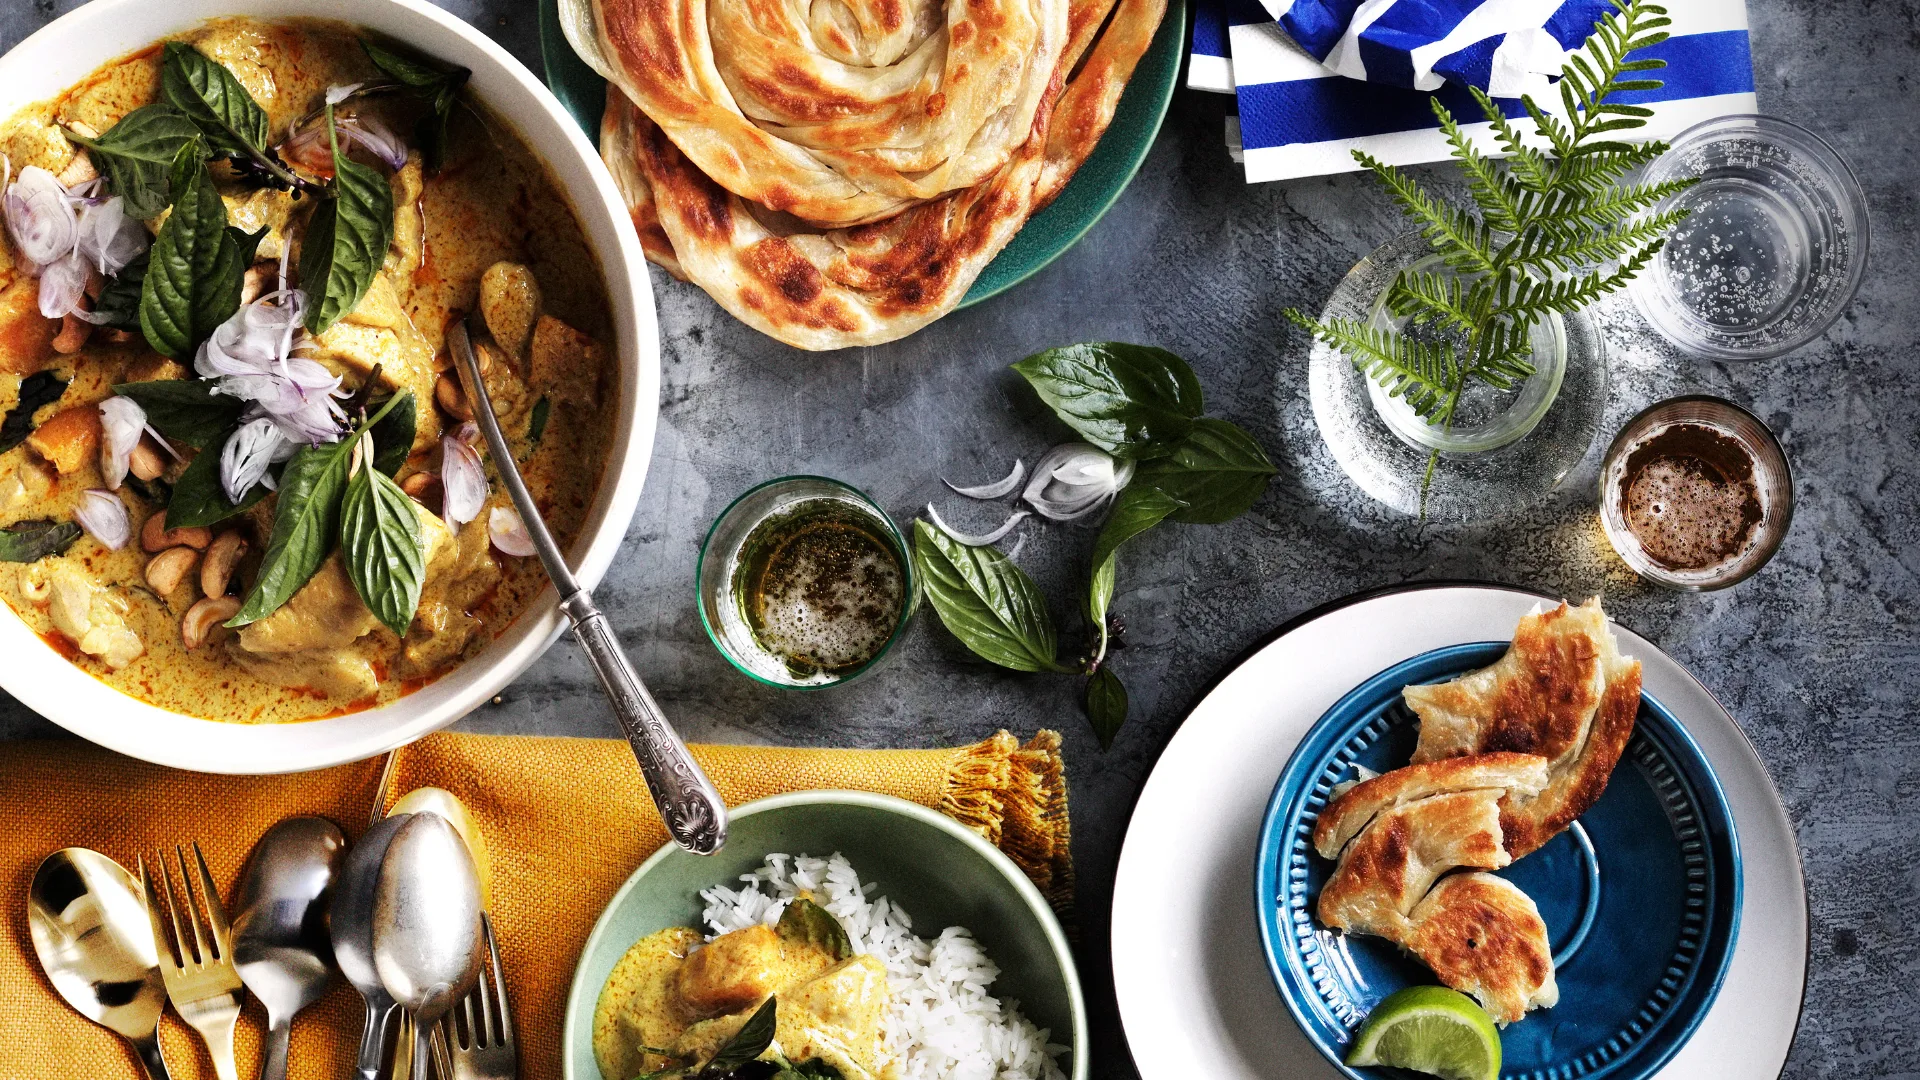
(1302, 113)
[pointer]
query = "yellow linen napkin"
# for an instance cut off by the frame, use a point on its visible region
(565, 820)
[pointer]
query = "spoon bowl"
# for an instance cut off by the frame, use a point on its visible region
(281, 946)
(90, 930)
(426, 923)
(351, 928)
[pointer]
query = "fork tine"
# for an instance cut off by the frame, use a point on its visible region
(486, 1031)
(161, 946)
(180, 947)
(505, 1028)
(215, 912)
(202, 955)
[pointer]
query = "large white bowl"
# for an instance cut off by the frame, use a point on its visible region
(70, 48)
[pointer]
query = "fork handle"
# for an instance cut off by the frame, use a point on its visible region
(273, 1065)
(149, 1051)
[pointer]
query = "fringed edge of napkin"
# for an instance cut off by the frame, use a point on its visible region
(1015, 796)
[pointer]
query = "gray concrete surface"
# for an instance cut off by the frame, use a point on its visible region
(1815, 656)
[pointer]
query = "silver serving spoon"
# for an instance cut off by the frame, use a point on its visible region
(351, 925)
(426, 925)
(89, 927)
(694, 814)
(280, 942)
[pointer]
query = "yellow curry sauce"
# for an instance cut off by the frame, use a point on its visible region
(671, 993)
(492, 210)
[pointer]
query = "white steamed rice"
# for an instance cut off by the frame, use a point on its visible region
(943, 1024)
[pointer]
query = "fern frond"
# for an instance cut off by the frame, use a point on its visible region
(1498, 195)
(1424, 373)
(1529, 165)
(1462, 239)
(1423, 297)
(1565, 247)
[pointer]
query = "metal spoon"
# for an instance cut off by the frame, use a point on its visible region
(90, 930)
(280, 941)
(351, 919)
(694, 813)
(426, 925)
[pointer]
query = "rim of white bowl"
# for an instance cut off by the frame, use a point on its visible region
(74, 45)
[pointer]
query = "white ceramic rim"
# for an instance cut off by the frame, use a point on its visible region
(581, 996)
(1198, 1001)
(72, 46)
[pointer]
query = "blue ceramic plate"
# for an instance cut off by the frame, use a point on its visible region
(1641, 896)
(1095, 186)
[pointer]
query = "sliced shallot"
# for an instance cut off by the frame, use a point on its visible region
(1074, 480)
(981, 539)
(104, 517)
(509, 533)
(247, 455)
(462, 480)
(994, 490)
(122, 422)
(40, 217)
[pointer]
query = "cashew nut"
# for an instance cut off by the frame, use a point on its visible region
(73, 334)
(168, 569)
(155, 537)
(146, 462)
(417, 484)
(205, 620)
(217, 571)
(446, 391)
(34, 585)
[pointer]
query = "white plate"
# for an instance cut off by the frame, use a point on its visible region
(1195, 996)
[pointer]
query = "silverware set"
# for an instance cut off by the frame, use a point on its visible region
(401, 914)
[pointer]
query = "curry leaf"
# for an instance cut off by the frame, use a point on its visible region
(347, 238)
(1133, 401)
(991, 605)
(393, 435)
(748, 1043)
(119, 304)
(1217, 472)
(194, 274)
(38, 390)
(199, 499)
(808, 923)
(28, 541)
(204, 91)
(383, 546)
(186, 410)
(137, 154)
(414, 73)
(1106, 704)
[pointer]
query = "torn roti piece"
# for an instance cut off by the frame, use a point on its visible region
(1483, 936)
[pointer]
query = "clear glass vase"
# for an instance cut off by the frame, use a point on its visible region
(1505, 451)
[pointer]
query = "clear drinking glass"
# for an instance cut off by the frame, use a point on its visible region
(741, 617)
(1771, 480)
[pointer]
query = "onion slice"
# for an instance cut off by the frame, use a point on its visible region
(1074, 480)
(247, 454)
(122, 422)
(994, 490)
(104, 517)
(462, 481)
(509, 533)
(982, 539)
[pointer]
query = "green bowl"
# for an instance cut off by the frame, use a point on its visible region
(1095, 186)
(940, 872)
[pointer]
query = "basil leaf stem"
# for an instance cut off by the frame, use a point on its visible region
(1133, 401)
(137, 153)
(990, 604)
(1134, 512)
(346, 240)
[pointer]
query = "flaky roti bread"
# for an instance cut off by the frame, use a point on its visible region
(1389, 867)
(1349, 812)
(1483, 936)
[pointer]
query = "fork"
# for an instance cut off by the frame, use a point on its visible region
(488, 1051)
(201, 980)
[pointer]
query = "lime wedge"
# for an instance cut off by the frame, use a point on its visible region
(1430, 1029)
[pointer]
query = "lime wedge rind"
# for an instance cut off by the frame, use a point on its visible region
(1433, 1030)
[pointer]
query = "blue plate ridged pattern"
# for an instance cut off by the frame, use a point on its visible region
(1641, 897)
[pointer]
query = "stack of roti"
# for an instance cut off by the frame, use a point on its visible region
(837, 172)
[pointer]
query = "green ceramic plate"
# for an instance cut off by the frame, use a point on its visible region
(940, 873)
(1087, 196)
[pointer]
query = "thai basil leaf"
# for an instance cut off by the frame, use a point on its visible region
(119, 303)
(1133, 401)
(1106, 704)
(1217, 472)
(810, 924)
(393, 435)
(1134, 512)
(537, 420)
(38, 390)
(748, 1043)
(199, 499)
(440, 86)
(194, 274)
(383, 546)
(137, 155)
(186, 410)
(991, 605)
(29, 541)
(204, 91)
(403, 69)
(347, 238)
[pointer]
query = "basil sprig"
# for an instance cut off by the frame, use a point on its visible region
(1135, 402)
(196, 265)
(439, 87)
(136, 155)
(234, 125)
(346, 241)
(30, 541)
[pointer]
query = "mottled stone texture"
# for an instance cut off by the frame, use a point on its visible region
(1815, 656)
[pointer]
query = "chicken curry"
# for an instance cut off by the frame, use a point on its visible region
(794, 995)
(237, 474)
